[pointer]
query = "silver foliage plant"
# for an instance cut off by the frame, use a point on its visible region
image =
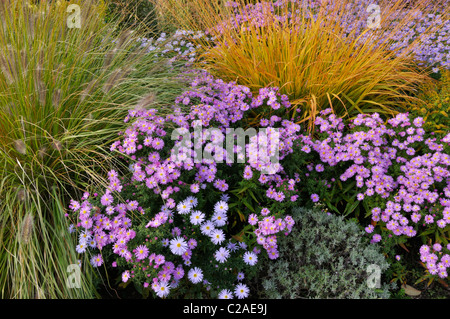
(325, 256)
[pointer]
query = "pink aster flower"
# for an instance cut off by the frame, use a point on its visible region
(157, 143)
(248, 174)
(97, 260)
(141, 252)
(441, 223)
(178, 272)
(252, 219)
(429, 219)
(125, 276)
(376, 238)
(106, 199)
(369, 229)
(195, 188)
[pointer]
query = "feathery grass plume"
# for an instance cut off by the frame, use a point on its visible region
(13, 62)
(57, 145)
(110, 57)
(67, 65)
(4, 66)
(56, 98)
(89, 87)
(22, 194)
(24, 61)
(41, 91)
(123, 37)
(42, 152)
(146, 101)
(20, 147)
(26, 229)
(40, 87)
(113, 79)
(58, 73)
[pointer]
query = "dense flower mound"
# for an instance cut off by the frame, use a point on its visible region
(174, 221)
(403, 176)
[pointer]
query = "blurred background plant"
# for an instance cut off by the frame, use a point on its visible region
(435, 108)
(64, 94)
(322, 54)
(137, 13)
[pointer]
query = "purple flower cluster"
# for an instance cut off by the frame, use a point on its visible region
(268, 227)
(435, 259)
(218, 105)
(209, 103)
(383, 160)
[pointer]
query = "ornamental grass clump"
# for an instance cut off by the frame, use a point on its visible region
(64, 90)
(195, 213)
(321, 54)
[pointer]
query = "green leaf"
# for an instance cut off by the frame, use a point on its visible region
(332, 207)
(350, 207)
(426, 232)
(367, 209)
(248, 205)
(241, 215)
(253, 196)
(349, 187)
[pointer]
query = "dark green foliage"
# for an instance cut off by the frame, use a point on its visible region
(325, 256)
(135, 13)
(436, 107)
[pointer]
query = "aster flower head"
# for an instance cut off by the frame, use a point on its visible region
(219, 218)
(197, 217)
(221, 207)
(178, 246)
(125, 276)
(222, 254)
(265, 211)
(225, 294)
(207, 227)
(192, 243)
(195, 275)
(376, 238)
(241, 291)
(162, 288)
(193, 201)
(315, 198)
(178, 272)
(252, 219)
(250, 258)
(141, 252)
(217, 236)
(184, 207)
(81, 248)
